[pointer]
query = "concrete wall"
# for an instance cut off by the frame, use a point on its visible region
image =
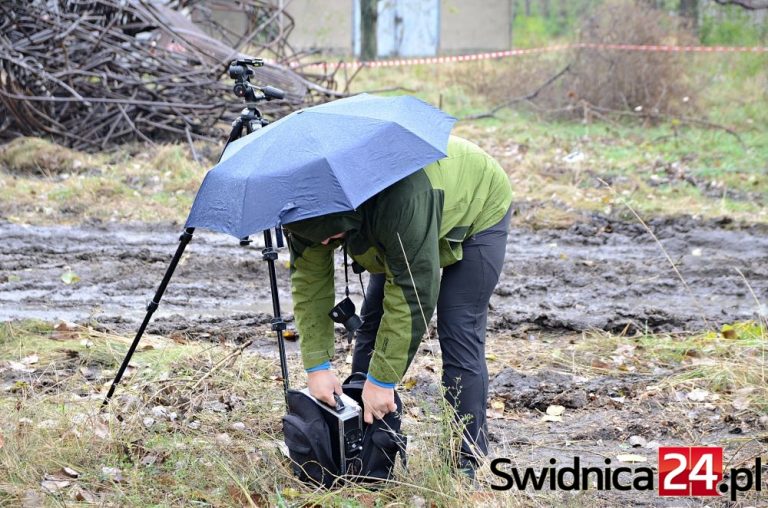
(465, 25)
(323, 24)
(475, 25)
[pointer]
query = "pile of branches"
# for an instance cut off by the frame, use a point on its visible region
(92, 74)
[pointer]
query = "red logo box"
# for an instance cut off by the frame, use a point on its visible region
(690, 471)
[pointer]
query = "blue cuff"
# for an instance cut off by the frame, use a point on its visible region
(323, 366)
(379, 383)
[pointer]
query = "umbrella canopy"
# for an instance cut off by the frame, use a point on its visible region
(320, 160)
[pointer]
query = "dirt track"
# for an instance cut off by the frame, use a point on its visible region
(597, 275)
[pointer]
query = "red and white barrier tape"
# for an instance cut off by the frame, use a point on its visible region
(518, 52)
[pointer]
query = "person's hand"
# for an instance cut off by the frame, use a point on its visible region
(377, 401)
(322, 385)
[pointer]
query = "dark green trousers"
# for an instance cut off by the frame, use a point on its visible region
(462, 312)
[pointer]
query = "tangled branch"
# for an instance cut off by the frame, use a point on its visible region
(93, 74)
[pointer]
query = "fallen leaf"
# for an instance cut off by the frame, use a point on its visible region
(29, 360)
(491, 357)
(148, 460)
(112, 473)
(20, 367)
(414, 411)
(90, 373)
(551, 418)
(160, 412)
(740, 403)
(65, 330)
(69, 277)
(54, 486)
(696, 252)
(223, 439)
(82, 495)
(631, 457)
(100, 430)
(497, 408)
(409, 384)
(729, 333)
(238, 426)
(291, 493)
(418, 502)
(33, 499)
(555, 410)
(237, 495)
(71, 473)
(698, 395)
(637, 441)
(2, 441)
(283, 448)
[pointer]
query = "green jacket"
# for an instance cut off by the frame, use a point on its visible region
(408, 231)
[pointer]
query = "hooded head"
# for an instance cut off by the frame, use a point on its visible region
(317, 229)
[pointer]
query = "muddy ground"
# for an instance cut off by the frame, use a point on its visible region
(599, 274)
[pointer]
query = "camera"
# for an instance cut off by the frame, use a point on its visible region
(345, 421)
(344, 313)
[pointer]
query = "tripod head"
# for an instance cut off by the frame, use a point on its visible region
(240, 70)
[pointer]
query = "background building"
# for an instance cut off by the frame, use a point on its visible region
(405, 27)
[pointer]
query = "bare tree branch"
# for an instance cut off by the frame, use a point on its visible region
(529, 97)
(752, 5)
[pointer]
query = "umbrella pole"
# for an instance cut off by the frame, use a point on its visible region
(184, 239)
(269, 254)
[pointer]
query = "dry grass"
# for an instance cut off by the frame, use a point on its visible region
(39, 157)
(180, 433)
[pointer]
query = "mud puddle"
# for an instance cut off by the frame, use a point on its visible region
(607, 275)
(598, 275)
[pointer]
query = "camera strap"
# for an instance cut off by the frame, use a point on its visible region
(346, 274)
(350, 335)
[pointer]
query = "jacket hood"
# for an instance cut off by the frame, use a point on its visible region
(317, 229)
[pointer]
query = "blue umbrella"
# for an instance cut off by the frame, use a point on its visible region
(320, 160)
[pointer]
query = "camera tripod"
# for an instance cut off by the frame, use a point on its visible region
(250, 120)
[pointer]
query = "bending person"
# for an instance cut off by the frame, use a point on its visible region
(453, 214)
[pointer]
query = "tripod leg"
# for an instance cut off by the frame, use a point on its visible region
(278, 324)
(184, 239)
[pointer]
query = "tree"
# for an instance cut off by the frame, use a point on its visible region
(368, 16)
(689, 11)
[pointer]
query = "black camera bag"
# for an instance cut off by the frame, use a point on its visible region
(307, 437)
(382, 440)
